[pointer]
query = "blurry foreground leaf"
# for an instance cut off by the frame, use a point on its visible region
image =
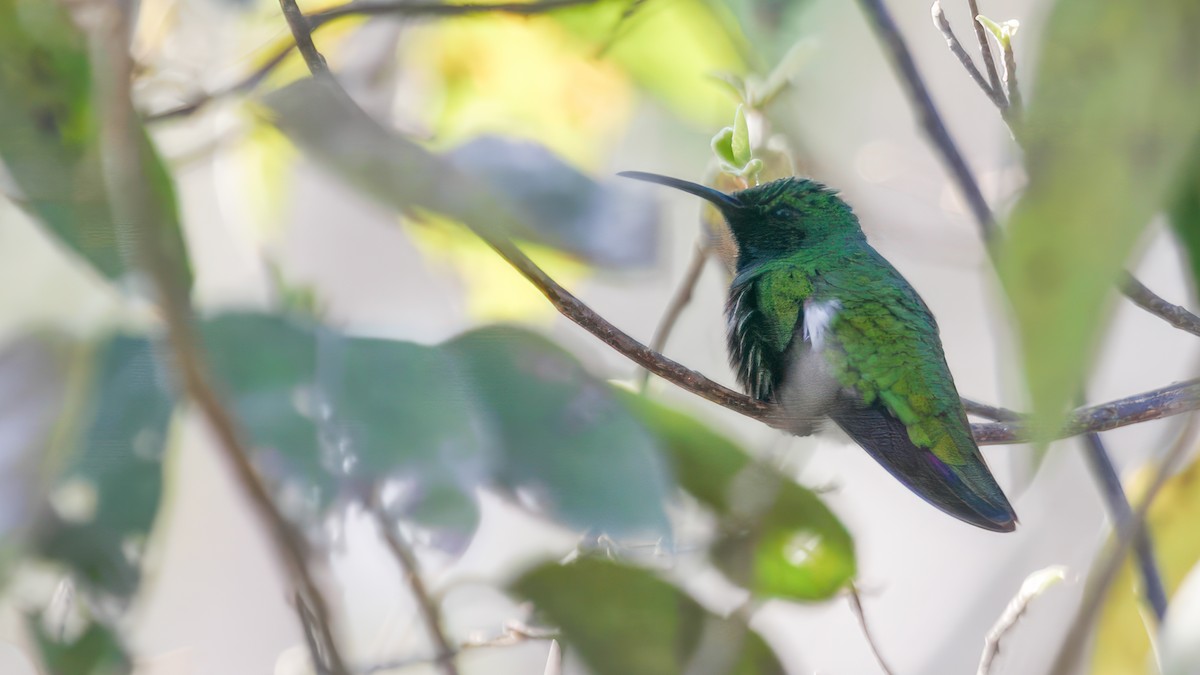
(625, 620)
(327, 412)
(95, 651)
(1121, 644)
(777, 538)
(1179, 638)
(109, 490)
(1109, 125)
(605, 223)
(1185, 217)
(506, 188)
(49, 140)
(570, 447)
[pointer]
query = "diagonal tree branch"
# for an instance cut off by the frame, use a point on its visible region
(1122, 515)
(1105, 572)
(139, 212)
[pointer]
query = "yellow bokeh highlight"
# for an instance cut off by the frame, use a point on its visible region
(1122, 644)
(519, 77)
(495, 292)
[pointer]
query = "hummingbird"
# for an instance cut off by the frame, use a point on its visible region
(824, 327)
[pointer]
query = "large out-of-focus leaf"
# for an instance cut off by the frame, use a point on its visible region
(95, 651)
(524, 192)
(1121, 644)
(1185, 216)
(778, 538)
(108, 492)
(326, 411)
(49, 142)
(408, 413)
(1111, 119)
(570, 447)
(625, 620)
(1179, 638)
(605, 223)
(266, 368)
(33, 389)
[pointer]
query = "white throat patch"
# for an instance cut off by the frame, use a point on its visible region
(817, 318)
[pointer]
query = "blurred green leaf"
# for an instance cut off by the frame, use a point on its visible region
(49, 140)
(1185, 216)
(108, 493)
(96, 651)
(1179, 636)
(626, 621)
(778, 539)
(570, 448)
(740, 142)
(491, 185)
(1106, 135)
(1003, 32)
(335, 412)
(266, 365)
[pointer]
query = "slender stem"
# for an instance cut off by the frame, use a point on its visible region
(1015, 104)
(984, 49)
(1145, 298)
(990, 412)
(139, 212)
(1122, 514)
(1175, 399)
(1033, 586)
(931, 121)
(857, 607)
(956, 48)
(1106, 570)
(683, 296)
(427, 606)
(302, 32)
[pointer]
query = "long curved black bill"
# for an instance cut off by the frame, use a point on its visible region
(713, 195)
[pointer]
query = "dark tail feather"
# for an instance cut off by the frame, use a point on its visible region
(969, 493)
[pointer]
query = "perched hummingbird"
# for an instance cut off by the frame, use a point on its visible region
(822, 325)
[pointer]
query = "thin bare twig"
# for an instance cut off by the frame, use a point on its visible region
(1171, 400)
(857, 607)
(515, 633)
(956, 48)
(1143, 297)
(1100, 463)
(683, 296)
(1106, 570)
(1034, 585)
(984, 49)
(427, 605)
(302, 33)
(1015, 104)
(990, 412)
(139, 213)
(931, 121)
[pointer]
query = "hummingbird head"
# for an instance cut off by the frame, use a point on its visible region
(774, 219)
